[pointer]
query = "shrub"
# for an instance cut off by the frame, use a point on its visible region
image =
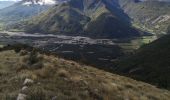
(17, 50)
(32, 60)
(33, 57)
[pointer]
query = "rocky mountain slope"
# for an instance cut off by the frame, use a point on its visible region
(104, 18)
(150, 63)
(150, 15)
(28, 75)
(95, 18)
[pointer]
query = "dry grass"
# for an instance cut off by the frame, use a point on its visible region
(68, 80)
(63, 73)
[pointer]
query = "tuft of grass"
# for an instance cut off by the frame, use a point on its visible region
(46, 72)
(63, 73)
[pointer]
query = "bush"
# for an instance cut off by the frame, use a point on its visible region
(30, 61)
(33, 57)
(17, 50)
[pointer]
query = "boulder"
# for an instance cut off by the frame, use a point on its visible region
(21, 96)
(54, 98)
(24, 89)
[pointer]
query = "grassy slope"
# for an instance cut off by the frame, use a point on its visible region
(58, 19)
(150, 63)
(68, 80)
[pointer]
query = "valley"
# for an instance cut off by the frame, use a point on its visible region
(101, 53)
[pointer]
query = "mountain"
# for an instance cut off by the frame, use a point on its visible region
(4, 4)
(30, 75)
(95, 18)
(150, 15)
(150, 63)
(25, 9)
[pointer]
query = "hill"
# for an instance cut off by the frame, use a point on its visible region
(150, 15)
(95, 18)
(150, 63)
(33, 76)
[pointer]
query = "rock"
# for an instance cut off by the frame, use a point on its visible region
(96, 90)
(85, 82)
(54, 98)
(24, 89)
(28, 82)
(21, 96)
(39, 83)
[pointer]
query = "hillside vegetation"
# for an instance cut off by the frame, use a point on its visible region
(150, 63)
(35, 76)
